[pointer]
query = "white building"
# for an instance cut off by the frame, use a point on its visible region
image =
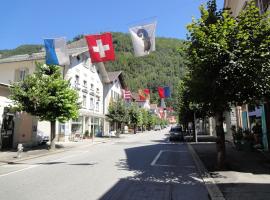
(112, 92)
(90, 80)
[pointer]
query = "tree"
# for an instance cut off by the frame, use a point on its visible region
(118, 114)
(47, 95)
(145, 118)
(135, 116)
(229, 62)
(184, 111)
(151, 121)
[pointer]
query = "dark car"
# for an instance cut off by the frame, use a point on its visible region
(176, 134)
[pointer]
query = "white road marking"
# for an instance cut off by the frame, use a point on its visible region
(156, 158)
(153, 163)
(30, 167)
(33, 165)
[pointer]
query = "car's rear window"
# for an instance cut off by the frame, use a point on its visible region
(176, 129)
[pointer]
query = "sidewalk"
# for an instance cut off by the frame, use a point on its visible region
(10, 156)
(246, 175)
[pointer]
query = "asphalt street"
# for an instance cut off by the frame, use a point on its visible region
(135, 167)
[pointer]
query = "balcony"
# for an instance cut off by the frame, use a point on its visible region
(84, 89)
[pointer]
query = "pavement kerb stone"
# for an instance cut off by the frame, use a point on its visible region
(51, 153)
(213, 190)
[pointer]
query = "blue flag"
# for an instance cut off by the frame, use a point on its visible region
(56, 51)
(167, 92)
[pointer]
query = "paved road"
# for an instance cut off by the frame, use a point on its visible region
(137, 167)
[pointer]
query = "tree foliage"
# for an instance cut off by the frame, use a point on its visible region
(117, 112)
(23, 49)
(229, 61)
(229, 57)
(46, 94)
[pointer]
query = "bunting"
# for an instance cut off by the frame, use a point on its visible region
(127, 94)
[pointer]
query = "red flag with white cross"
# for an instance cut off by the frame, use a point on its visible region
(100, 47)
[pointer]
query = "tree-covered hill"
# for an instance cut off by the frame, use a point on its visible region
(164, 67)
(23, 49)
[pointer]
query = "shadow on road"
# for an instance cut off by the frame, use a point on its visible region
(171, 176)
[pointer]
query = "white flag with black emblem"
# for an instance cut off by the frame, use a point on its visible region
(143, 38)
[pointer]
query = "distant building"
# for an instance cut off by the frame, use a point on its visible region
(112, 92)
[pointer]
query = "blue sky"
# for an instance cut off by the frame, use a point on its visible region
(29, 21)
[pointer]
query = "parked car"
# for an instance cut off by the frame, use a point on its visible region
(42, 139)
(176, 134)
(157, 128)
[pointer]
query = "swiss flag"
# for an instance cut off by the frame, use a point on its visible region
(100, 47)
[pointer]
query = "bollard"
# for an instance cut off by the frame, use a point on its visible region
(20, 150)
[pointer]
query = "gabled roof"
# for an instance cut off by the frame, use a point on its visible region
(114, 75)
(117, 74)
(77, 44)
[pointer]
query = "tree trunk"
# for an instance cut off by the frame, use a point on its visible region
(134, 127)
(220, 143)
(52, 145)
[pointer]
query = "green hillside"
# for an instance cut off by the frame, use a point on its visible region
(163, 67)
(23, 49)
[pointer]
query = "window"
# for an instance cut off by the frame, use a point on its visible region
(84, 101)
(21, 73)
(77, 79)
(85, 83)
(86, 62)
(92, 68)
(91, 103)
(97, 90)
(97, 106)
(92, 86)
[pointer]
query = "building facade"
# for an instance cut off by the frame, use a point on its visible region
(91, 81)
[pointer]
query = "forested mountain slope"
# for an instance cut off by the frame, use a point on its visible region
(164, 67)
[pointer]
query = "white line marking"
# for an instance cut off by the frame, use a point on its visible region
(32, 166)
(153, 163)
(156, 158)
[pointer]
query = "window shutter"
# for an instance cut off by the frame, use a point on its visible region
(26, 71)
(17, 75)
